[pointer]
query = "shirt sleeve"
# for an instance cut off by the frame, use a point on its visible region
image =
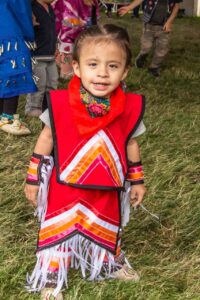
(44, 117)
(140, 130)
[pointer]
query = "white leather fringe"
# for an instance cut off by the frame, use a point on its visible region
(77, 252)
(45, 173)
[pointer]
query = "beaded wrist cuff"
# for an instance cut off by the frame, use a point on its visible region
(33, 174)
(135, 173)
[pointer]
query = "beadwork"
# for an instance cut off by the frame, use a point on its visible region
(96, 107)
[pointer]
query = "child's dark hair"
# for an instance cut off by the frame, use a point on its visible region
(106, 32)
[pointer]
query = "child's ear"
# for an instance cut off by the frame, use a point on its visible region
(75, 66)
(125, 73)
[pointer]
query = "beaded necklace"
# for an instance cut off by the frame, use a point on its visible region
(96, 107)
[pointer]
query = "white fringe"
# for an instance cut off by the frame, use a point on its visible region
(82, 253)
(125, 205)
(46, 170)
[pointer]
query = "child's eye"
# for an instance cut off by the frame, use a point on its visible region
(92, 65)
(113, 66)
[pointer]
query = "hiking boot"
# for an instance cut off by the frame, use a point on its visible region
(34, 113)
(126, 273)
(140, 61)
(154, 71)
(15, 126)
(46, 294)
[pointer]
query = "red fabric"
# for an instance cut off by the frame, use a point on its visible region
(68, 140)
(69, 118)
(62, 197)
(85, 124)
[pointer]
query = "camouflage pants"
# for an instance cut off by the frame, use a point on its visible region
(154, 37)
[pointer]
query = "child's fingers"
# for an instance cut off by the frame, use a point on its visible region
(122, 11)
(137, 195)
(138, 199)
(31, 194)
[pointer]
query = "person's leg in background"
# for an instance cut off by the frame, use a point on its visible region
(1, 106)
(161, 48)
(109, 10)
(52, 81)
(147, 41)
(143, 5)
(10, 105)
(135, 13)
(33, 106)
(66, 70)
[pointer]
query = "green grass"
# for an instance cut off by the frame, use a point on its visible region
(167, 255)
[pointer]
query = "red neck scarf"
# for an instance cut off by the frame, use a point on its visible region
(87, 125)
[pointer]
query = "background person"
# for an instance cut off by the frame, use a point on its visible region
(158, 19)
(16, 37)
(72, 17)
(45, 68)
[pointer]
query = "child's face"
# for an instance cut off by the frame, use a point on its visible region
(101, 67)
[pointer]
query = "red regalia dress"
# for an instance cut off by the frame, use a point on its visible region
(83, 217)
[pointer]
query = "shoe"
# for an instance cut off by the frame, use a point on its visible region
(126, 273)
(4, 121)
(140, 61)
(15, 126)
(46, 294)
(154, 71)
(109, 14)
(34, 113)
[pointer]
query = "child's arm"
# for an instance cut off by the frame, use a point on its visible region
(168, 25)
(44, 146)
(137, 190)
(125, 9)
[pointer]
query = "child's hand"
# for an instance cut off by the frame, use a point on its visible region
(167, 26)
(31, 192)
(137, 194)
(123, 10)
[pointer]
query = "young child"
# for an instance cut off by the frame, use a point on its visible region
(45, 68)
(16, 39)
(158, 18)
(91, 131)
(72, 17)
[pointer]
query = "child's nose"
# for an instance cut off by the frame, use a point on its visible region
(103, 71)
